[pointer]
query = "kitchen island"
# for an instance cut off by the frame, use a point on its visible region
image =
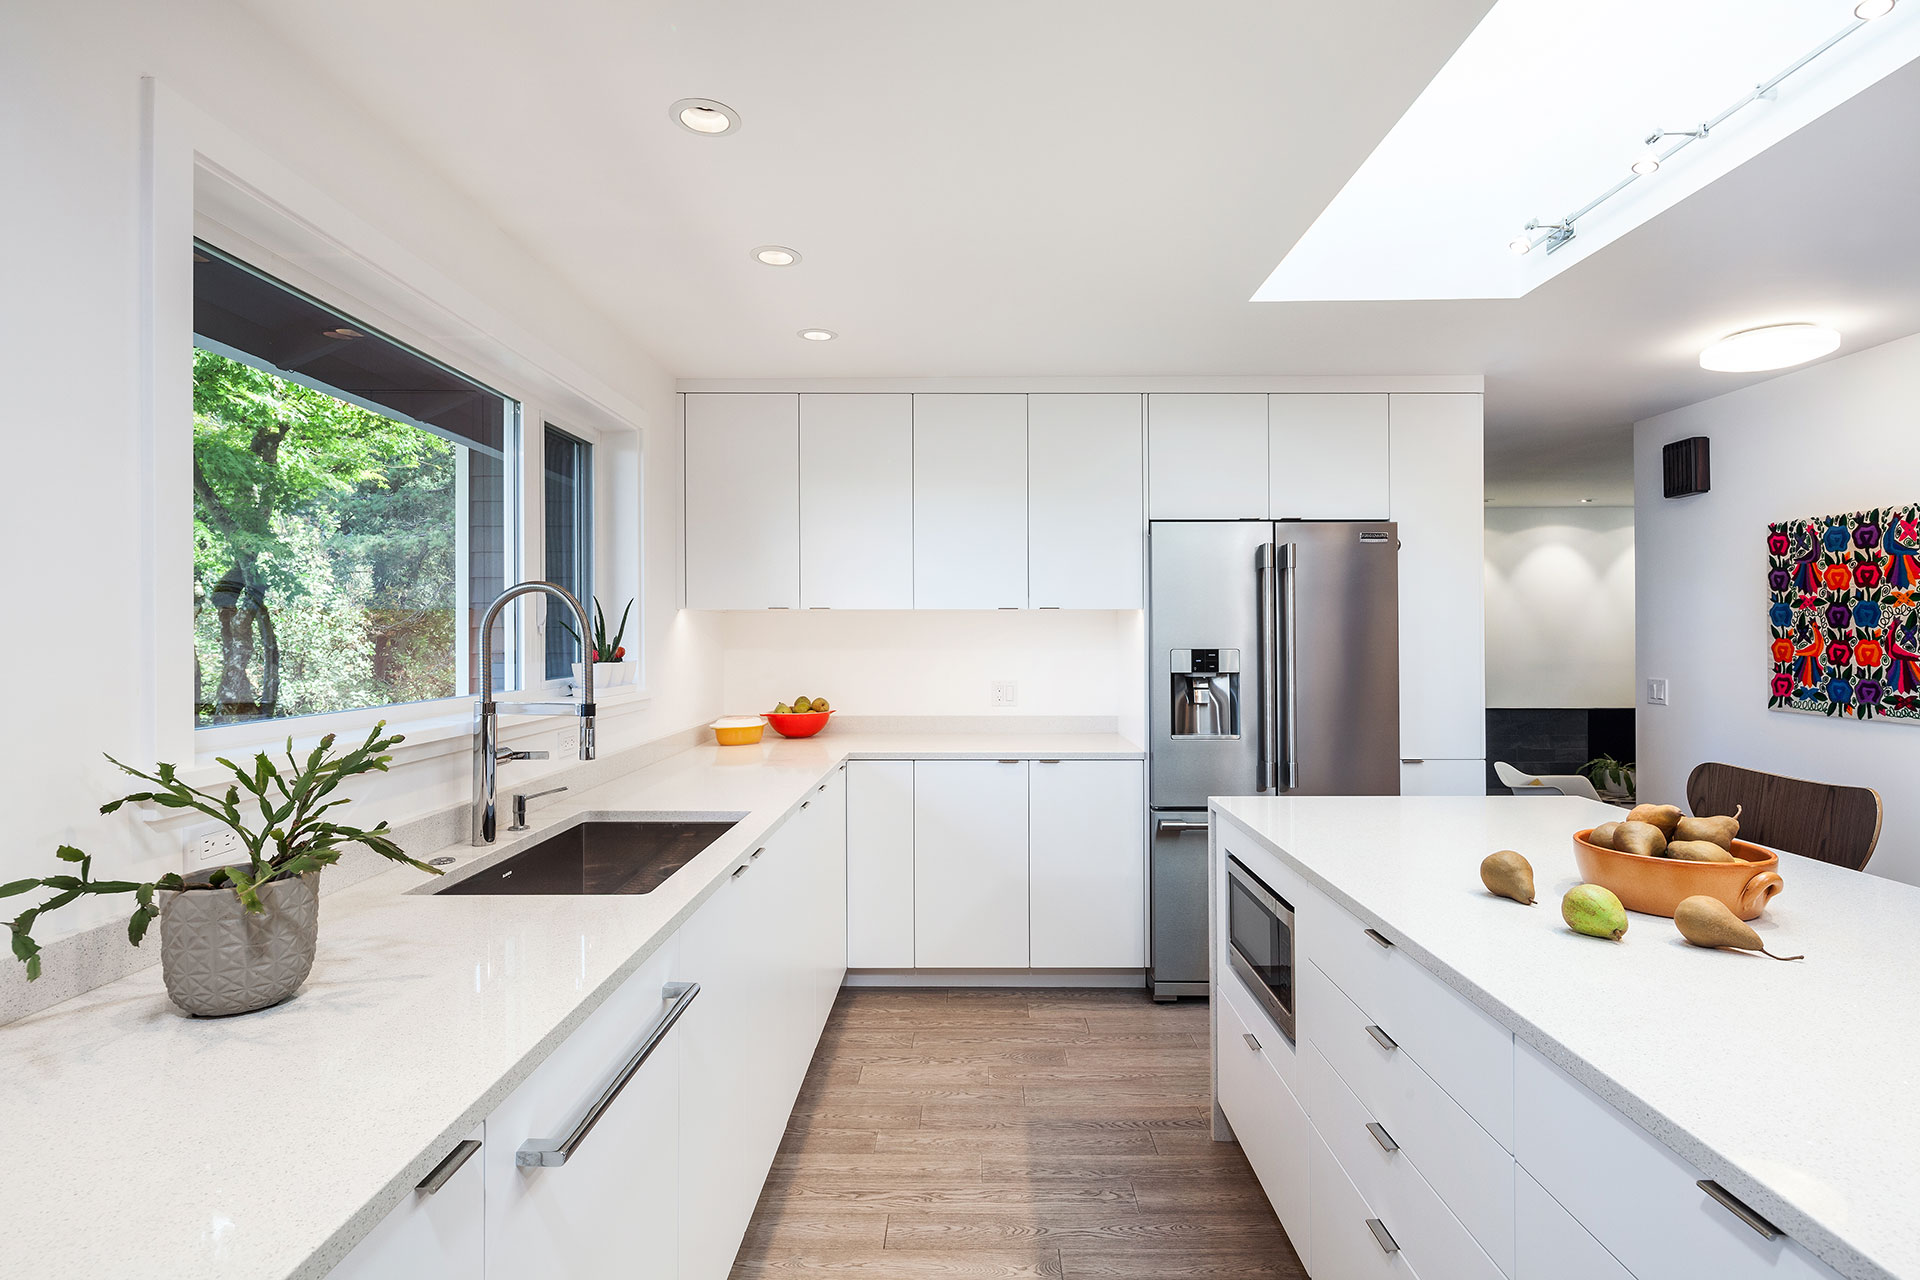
(1473, 1089)
(149, 1143)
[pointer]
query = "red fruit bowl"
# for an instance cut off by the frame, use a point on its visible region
(798, 724)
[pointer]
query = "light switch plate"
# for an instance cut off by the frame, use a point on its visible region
(1005, 693)
(1656, 693)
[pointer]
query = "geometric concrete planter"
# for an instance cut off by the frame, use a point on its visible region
(217, 958)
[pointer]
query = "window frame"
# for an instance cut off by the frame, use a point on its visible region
(587, 522)
(201, 180)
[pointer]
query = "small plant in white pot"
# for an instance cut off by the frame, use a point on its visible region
(242, 937)
(610, 668)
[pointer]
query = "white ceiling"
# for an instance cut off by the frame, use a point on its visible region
(1085, 187)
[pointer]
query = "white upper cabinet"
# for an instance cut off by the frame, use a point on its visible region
(1328, 456)
(1088, 864)
(969, 501)
(1438, 483)
(856, 501)
(1207, 456)
(1086, 484)
(743, 501)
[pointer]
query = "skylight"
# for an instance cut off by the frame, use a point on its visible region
(1545, 106)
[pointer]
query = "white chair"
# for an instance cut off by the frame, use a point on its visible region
(1548, 784)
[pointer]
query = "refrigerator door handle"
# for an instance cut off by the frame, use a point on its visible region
(1289, 657)
(1269, 712)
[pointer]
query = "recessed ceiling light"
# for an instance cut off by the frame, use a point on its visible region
(342, 332)
(1646, 164)
(1867, 10)
(1586, 499)
(704, 116)
(777, 255)
(1773, 346)
(818, 335)
(1522, 243)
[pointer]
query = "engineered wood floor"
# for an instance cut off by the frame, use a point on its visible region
(1010, 1133)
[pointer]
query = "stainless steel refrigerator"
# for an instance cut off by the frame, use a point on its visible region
(1274, 654)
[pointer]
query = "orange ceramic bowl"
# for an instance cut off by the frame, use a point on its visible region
(1655, 886)
(798, 724)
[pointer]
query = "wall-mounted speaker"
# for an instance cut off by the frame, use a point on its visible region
(1685, 467)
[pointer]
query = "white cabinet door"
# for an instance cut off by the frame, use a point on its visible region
(612, 1208)
(969, 501)
(743, 501)
(1087, 861)
(819, 907)
(856, 501)
(1550, 1245)
(970, 864)
(1207, 456)
(1268, 1121)
(880, 864)
(1437, 483)
(1328, 456)
(430, 1235)
(1086, 501)
(1443, 777)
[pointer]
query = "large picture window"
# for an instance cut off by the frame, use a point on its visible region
(351, 510)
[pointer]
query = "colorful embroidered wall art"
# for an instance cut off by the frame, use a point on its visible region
(1843, 617)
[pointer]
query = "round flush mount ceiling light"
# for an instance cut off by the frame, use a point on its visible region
(704, 116)
(1646, 164)
(1774, 346)
(818, 335)
(776, 255)
(1522, 243)
(1867, 10)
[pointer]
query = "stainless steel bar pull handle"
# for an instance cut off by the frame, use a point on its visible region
(550, 1153)
(1382, 1039)
(1252, 1043)
(1379, 937)
(1174, 824)
(1738, 1208)
(445, 1170)
(1381, 1136)
(1289, 661)
(1383, 1237)
(1269, 729)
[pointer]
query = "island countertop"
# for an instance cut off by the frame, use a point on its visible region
(1794, 1084)
(144, 1142)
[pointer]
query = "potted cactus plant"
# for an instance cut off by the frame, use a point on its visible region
(243, 937)
(608, 654)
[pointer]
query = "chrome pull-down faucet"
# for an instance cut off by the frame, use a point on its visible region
(487, 753)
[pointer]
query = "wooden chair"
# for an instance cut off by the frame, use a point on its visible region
(1823, 820)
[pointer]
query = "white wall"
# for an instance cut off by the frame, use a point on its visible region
(1559, 606)
(1834, 438)
(70, 331)
(937, 663)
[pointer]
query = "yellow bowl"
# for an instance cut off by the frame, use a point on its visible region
(738, 731)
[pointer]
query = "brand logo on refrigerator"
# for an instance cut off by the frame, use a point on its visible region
(1373, 537)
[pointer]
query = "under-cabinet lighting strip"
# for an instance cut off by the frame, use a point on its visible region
(1558, 233)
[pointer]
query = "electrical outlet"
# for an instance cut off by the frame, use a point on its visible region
(1005, 693)
(1656, 693)
(210, 845)
(569, 738)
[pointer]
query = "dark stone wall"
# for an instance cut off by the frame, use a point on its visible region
(1555, 739)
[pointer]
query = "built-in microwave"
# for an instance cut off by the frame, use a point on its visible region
(1260, 942)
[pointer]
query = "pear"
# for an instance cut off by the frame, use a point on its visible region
(1638, 837)
(1603, 835)
(1664, 816)
(820, 704)
(1720, 831)
(783, 710)
(1698, 851)
(802, 705)
(1594, 911)
(1509, 875)
(1709, 922)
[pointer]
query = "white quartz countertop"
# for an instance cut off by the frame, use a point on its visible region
(1795, 1085)
(143, 1142)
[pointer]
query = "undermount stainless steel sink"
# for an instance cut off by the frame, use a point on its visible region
(597, 858)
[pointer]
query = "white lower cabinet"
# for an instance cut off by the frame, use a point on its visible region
(970, 878)
(1443, 777)
(1343, 1230)
(1550, 1245)
(436, 1233)
(1268, 1121)
(1087, 864)
(880, 864)
(612, 1207)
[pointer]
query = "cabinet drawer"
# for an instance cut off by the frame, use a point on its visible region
(1460, 1160)
(1467, 1053)
(1434, 1240)
(1267, 1118)
(1635, 1195)
(1550, 1245)
(1280, 1053)
(1344, 1245)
